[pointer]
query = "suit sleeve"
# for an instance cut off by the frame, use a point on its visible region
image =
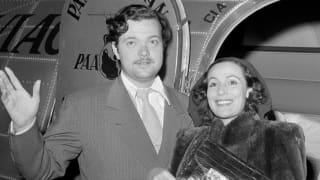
(46, 156)
(188, 122)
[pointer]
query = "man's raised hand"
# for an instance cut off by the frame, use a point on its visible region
(21, 106)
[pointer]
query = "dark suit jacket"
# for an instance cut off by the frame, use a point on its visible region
(101, 127)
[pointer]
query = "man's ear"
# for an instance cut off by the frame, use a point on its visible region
(249, 90)
(115, 50)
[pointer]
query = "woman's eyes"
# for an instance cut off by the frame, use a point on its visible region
(212, 84)
(233, 82)
(130, 43)
(229, 83)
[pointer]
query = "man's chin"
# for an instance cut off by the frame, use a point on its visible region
(146, 76)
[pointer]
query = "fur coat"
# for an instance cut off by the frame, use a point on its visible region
(265, 149)
(249, 147)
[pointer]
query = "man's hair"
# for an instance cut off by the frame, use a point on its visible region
(118, 25)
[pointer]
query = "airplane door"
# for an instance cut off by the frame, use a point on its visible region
(29, 45)
(86, 61)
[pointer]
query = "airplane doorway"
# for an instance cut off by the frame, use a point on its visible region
(283, 41)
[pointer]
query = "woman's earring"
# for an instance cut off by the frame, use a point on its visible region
(249, 90)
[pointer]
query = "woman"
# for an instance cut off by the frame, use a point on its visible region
(234, 140)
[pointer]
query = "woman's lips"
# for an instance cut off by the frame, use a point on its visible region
(224, 102)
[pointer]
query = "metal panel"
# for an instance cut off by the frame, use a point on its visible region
(29, 46)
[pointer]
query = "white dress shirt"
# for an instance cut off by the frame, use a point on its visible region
(157, 97)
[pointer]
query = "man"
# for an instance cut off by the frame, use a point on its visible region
(105, 127)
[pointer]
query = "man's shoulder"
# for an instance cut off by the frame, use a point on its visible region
(180, 97)
(173, 91)
(91, 92)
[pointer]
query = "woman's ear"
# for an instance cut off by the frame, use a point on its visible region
(115, 50)
(249, 90)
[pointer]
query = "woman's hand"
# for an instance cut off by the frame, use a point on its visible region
(160, 174)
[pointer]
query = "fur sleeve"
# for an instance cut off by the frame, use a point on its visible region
(287, 151)
(184, 138)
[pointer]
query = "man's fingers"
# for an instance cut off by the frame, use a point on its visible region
(2, 86)
(36, 90)
(5, 83)
(16, 83)
(4, 94)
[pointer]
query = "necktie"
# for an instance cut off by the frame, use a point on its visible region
(150, 118)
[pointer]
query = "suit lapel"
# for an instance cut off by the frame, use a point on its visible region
(125, 117)
(174, 115)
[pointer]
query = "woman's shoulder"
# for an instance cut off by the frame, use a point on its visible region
(283, 127)
(283, 131)
(187, 134)
(285, 143)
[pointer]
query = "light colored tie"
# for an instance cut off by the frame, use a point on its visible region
(150, 118)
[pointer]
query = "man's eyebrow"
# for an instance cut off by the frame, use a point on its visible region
(153, 36)
(129, 37)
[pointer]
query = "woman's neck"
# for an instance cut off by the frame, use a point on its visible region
(226, 121)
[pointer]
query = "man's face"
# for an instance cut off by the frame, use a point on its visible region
(227, 90)
(140, 51)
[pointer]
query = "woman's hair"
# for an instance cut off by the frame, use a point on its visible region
(118, 25)
(256, 97)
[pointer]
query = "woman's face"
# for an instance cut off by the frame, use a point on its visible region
(227, 90)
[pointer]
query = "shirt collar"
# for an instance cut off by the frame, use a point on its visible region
(156, 86)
